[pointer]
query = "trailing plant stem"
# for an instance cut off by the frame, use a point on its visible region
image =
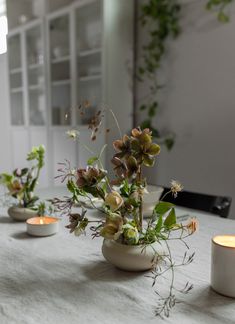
(141, 202)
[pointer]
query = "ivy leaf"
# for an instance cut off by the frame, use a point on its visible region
(169, 142)
(92, 160)
(171, 219)
(146, 124)
(163, 207)
(159, 224)
(222, 17)
(143, 107)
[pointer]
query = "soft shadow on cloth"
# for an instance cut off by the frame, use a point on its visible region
(25, 236)
(6, 220)
(100, 270)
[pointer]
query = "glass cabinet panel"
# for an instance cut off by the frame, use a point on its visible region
(15, 79)
(89, 59)
(60, 70)
(36, 80)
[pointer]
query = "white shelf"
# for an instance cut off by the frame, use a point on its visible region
(35, 66)
(60, 83)
(90, 78)
(16, 70)
(60, 59)
(89, 52)
(35, 87)
(16, 90)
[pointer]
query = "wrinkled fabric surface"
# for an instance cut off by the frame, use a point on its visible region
(65, 279)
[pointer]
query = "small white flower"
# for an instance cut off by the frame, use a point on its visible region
(176, 187)
(73, 172)
(73, 134)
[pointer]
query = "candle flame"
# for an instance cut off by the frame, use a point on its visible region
(41, 221)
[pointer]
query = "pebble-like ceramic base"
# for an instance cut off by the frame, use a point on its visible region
(132, 257)
(21, 214)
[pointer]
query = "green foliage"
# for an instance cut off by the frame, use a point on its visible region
(161, 19)
(22, 182)
(41, 209)
(6, 179)
(220, 7)
(37, 153)
(163, 207)
(92, 160)
(170, 219)
(159, 224)
(44, 208)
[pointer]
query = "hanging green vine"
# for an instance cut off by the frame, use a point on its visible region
(220, 7)
(162, 20)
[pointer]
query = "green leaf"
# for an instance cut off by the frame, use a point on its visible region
(222, 17)
(31, 202)
(163, 207)
(171, 219)
(146, 124)
(159, 224)
(169, 142)
(92, 160)
(33, 185)
(24, 171)
(143, 107)
(71, 186)
(5, 178)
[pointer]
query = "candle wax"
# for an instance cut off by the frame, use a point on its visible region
(225, 240)
(42, 220)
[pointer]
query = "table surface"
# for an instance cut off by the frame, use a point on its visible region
(65, 279)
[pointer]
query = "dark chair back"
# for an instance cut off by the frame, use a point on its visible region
(218, 205)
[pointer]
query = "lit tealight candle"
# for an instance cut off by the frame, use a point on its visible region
(223, 265)
(42, 226)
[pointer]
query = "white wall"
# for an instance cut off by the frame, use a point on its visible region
(5, 148)
(198, 104)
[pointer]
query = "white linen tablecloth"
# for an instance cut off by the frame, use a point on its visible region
(65, 279)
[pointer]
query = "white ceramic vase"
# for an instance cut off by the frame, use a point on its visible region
(132, 257)
(21, 213)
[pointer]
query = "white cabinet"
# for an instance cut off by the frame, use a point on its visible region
(65, 67)
(27, 90)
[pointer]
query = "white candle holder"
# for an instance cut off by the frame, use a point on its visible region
(42, 226)
(223, 265)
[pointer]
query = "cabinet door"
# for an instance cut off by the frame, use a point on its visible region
(35, 76)
(60, 76)
(16, 79)
(89, 60)
(20, 147)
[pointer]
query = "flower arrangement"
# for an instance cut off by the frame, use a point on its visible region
(122, 218)
(22, 182)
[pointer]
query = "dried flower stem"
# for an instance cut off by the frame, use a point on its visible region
(116, 121)
(141, 202)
